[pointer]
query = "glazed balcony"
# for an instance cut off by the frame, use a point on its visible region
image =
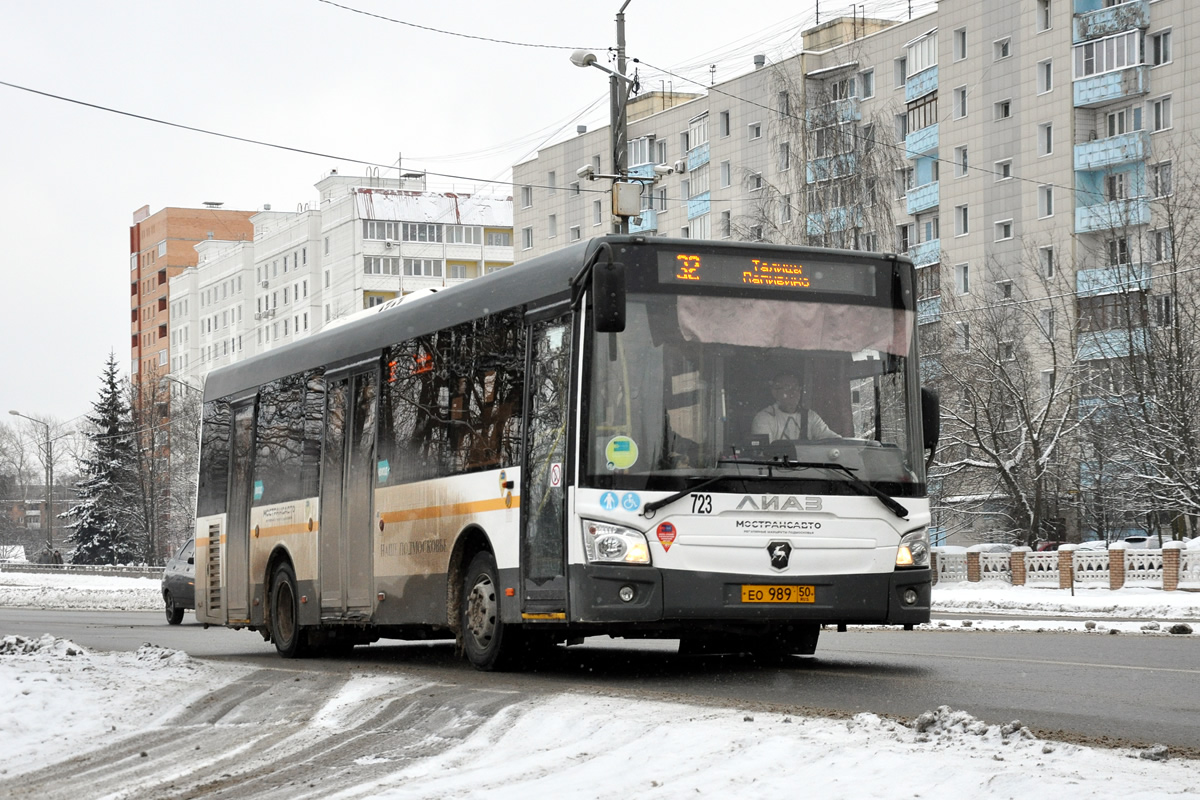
(1093, 22)
(1113, 150)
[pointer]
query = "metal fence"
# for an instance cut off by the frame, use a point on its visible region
(120, 570)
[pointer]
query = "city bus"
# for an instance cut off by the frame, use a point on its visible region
(568, 448)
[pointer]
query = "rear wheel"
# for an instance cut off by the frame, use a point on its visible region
(174, 612)
(488, 642)
(291, 640)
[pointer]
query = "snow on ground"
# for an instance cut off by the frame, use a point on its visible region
(56, 699)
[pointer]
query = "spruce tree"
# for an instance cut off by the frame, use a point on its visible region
(98, 531)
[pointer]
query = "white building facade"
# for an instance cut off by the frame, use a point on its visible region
(369, 240)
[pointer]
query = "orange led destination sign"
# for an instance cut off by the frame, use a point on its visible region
(731, 269)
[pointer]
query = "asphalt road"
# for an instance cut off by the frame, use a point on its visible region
(1101, 689)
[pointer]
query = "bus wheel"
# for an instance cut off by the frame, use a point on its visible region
(488, 642)
(290, 639)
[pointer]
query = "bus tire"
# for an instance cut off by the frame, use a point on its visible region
(489, 644)
(291, 640)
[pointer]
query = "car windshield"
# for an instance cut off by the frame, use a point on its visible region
(701, 386)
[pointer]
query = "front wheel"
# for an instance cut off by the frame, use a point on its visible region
(290, 639)
(174, 612)
(489, 643)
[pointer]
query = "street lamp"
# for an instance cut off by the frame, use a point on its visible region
(618, 99)
(49, 479)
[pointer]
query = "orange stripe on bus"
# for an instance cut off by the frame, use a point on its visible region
(285, 530)
(451, 510)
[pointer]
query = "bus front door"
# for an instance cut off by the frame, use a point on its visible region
(347, 468)
(543, 493)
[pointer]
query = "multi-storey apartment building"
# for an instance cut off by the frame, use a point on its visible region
(161, 246)
(369, 240)
(1024, 154)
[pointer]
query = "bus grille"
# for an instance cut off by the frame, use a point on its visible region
(213, 562)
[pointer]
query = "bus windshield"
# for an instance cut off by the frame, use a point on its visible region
(701, 386)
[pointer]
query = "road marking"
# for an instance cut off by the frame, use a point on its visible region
(1027, 661)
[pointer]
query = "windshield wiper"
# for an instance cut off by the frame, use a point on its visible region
(650, 508)
(855, 481)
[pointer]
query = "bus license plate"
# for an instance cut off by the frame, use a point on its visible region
(756, 593)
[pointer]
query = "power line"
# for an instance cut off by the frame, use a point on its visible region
(454, 33)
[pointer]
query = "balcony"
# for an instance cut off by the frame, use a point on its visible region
(926, 253)
(918, 143)
(1095, 23)
(647, 220)
(835, 113)
(1109, 87)
(699, 205)
(1110, 279)
(921, 84)
(697, 157)
(820, 223)
(1111, 215)
(1100, 153)
(830, 167)
(929, 310)
(642, 171)
(1116, 343)
(924, 197)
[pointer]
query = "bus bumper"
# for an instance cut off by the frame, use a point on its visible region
(599, 592)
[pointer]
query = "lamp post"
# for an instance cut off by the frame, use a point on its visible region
(619, 89)
(49, 479)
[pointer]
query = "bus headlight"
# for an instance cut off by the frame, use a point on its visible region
(607, 543)
(914, 550)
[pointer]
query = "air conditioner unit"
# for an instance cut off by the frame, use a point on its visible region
(388, 243)
(265, 284)
(258, 315)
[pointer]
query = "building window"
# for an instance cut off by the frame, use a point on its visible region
(1161, 245)
(1045, 76)
(726, 174)
(1046, 201)
(423, 267)
(1001, 48)
(372, 265)
(1046, 257)
(498, 239)
(1003, 109)
(961, 221)
(755, 181)
(641, 151)
(726, 224)
(960, 44)
(960, 102)
(421, 232)
(551, 182)
(575, 188)
(1045, 138)
(1046, 321)
(456, 271)
(785, 210)
(1006, 351)
(906, 237)
(960, 161)
(1043, 15)
(552, 226)
(900, 67)
(1118, 251)
(326, 245)
(1004, 230)
(1108, 54)
(1160, 179)
(597, 212)
(526, 238)
(1116, 186)
(866, 80)
(1160, 48)
(1164, 310)
(962, 336)
(526, 196)
(755, 129)
(1160, 113)
(785, 157)
(576, 235)
(464, 234)
(723, 123)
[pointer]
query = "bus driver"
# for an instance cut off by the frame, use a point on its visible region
(785, 418)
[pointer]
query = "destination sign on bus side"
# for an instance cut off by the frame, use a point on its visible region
(727, 269)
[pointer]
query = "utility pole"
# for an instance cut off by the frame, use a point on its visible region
(618, 89)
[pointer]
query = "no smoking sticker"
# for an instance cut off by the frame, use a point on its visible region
(666, 534)
(555, 475)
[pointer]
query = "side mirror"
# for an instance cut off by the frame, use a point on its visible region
(608, 296)
(191, 559)
(931, 418)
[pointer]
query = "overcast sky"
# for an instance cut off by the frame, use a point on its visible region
(304, 74)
